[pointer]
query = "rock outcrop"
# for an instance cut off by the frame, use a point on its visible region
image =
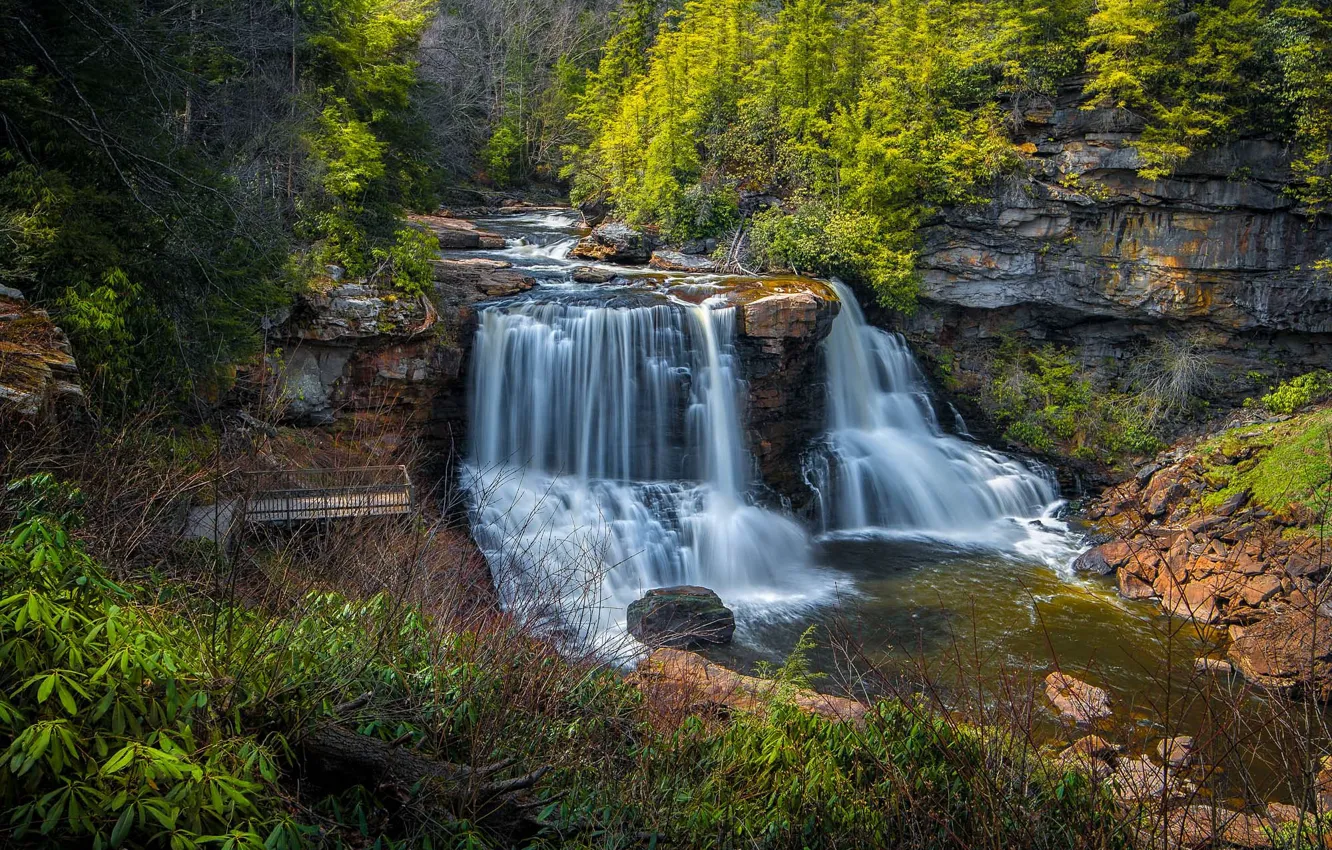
(778, 333)
(1080, 250)
(615, 242)
(1222, 533)
(358, 350)
(38, 375)
(676, 261)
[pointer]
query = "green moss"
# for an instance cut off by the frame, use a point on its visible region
(1291, 463)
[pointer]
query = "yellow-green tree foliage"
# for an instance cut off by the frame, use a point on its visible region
(865, 116)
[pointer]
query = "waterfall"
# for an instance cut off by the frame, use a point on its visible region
(885, 462)
(608, 458)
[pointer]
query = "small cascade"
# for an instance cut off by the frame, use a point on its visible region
(886, 464)
(608, 458)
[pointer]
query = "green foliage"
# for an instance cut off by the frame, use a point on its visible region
(157, 175)
(1046, 405)
(817, 239)
(502, 155)
(866, 116)
(1289, 396)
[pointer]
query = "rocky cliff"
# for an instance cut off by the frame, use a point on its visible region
(1079, 250)
(38, 375)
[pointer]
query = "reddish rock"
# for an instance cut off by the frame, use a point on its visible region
(1132, 587)
(686, 680)
(782, 316)
(1286, 650)
(1075, 700)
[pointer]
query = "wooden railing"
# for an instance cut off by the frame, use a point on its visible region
(309, 494)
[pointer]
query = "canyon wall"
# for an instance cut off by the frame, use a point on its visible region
(1079, 250)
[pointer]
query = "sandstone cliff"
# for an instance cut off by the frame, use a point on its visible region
(38, 375)
(1079, 250)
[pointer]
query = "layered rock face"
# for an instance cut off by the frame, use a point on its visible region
(778, 343)
(1080, 250)
(38, 375)
(361, 351)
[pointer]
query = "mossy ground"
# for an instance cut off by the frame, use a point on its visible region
(1287, 465)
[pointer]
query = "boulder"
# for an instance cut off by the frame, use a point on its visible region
(487, 278)
(686, 681)
(589, 274)
(458, 234)
(615, 242)
(675, 261)
(1094, 561)
(1075, 700)
(1132, 587)
(1176, 752)
(680, 618)
(1091, 745)
(1286, 650)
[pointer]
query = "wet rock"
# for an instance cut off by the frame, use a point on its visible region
(1176, 752)
(615, 242)
(1144, 475)
(1094, 561)
(1213, 666)
(675, 261)
(1132, 587)
(457, 233)
(39, 378)
(1075, 700)
(681, 618)
(487, 278)
(1286, 650)
(778, 343)
(588, 274)
(682, 680)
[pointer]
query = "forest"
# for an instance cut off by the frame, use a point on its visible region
(185, 183)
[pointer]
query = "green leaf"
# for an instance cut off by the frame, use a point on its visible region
(48, 684)
(118, 761)
(122, 827)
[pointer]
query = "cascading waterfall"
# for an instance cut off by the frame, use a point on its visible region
(886, 464)
(608, 458)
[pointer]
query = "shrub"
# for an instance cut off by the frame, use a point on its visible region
(818, 239)
(1290, 396)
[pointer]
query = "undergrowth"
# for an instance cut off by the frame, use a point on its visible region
(165, 716)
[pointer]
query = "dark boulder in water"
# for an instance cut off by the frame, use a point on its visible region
(681, 618)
